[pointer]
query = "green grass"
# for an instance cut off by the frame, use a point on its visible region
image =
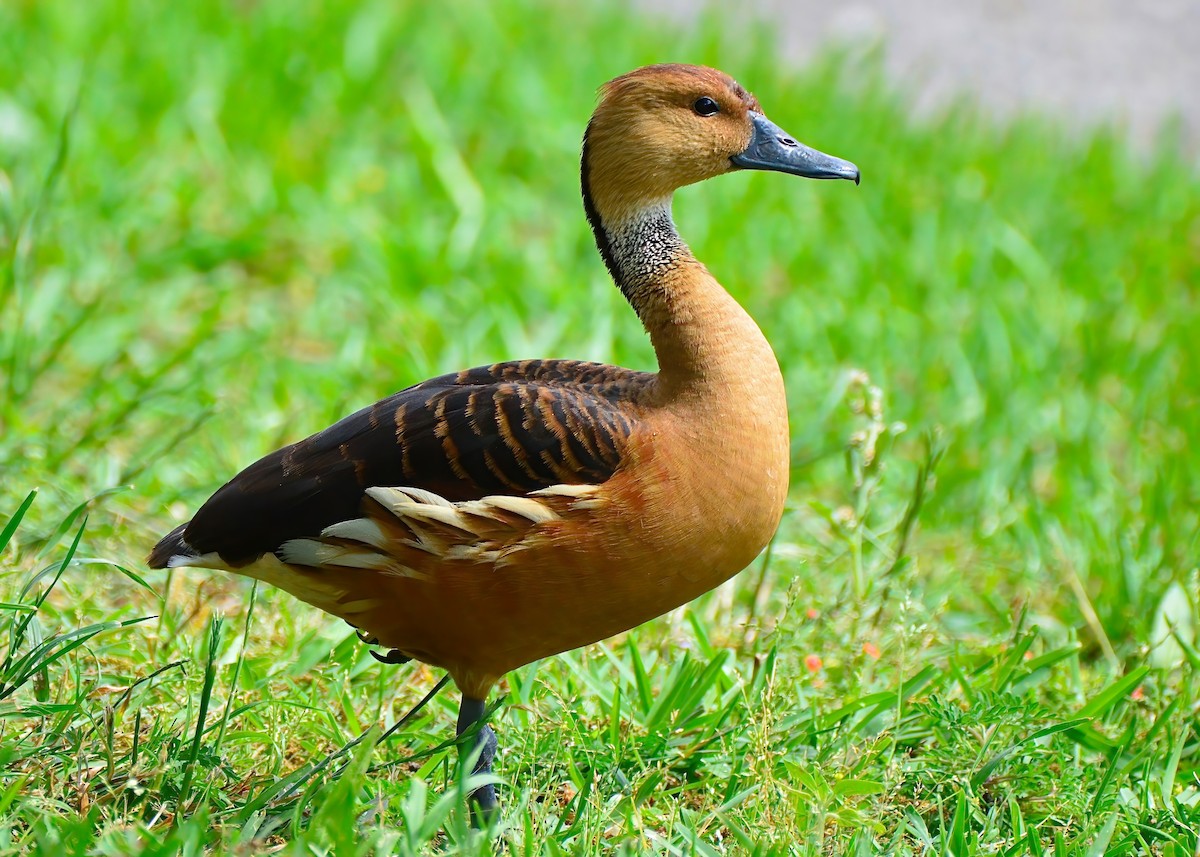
(222, 228)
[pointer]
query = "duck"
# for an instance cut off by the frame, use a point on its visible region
(491, 517)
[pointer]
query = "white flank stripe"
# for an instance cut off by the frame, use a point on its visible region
(566, 490)
(360, 530)
(532, 510)
(449, 516)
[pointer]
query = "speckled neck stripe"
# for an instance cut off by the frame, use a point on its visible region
(637, 249)
(645, 245)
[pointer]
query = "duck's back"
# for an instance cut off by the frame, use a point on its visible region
(504, 429)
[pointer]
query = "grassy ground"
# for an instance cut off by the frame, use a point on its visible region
(223, 228)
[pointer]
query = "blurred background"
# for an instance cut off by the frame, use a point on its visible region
(1084, 61)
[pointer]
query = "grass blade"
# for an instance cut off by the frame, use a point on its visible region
(10, 528)
(193, 753)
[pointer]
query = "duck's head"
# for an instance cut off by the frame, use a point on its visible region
(659, 128)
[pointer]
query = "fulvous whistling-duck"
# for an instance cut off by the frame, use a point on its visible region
(486, 518)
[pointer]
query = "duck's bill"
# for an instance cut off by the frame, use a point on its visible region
(772, 148)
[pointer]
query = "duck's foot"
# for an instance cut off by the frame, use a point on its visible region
(394, 656)
(484, 803)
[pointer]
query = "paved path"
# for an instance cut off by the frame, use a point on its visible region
(1133, 61)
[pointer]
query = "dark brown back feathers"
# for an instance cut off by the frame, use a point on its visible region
(509, 428)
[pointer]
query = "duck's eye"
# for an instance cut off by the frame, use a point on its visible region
(705, 106)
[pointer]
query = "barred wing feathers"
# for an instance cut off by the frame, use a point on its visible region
(509, 429)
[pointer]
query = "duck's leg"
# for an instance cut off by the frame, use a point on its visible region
(470, 712)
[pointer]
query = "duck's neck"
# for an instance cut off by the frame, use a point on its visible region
(704, 341)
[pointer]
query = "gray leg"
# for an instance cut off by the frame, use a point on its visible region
(469, 713)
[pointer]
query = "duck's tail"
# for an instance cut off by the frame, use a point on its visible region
(172, 550)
